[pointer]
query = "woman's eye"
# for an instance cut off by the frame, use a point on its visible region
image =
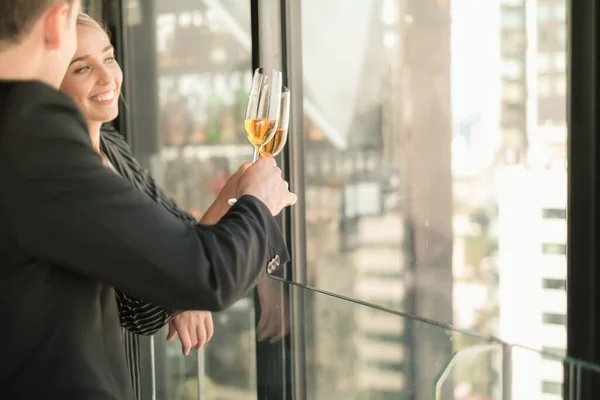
(82, 69)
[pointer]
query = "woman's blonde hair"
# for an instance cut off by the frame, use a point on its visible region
(86, 20)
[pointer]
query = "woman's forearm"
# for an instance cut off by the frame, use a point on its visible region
(215, 212)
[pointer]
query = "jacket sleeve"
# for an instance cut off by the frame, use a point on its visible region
(65, 207)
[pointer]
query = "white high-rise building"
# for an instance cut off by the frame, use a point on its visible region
(532, 275)
(532, 194)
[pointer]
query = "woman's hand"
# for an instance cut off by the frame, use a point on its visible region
(194, 329)
(230, 187)
(217, 209)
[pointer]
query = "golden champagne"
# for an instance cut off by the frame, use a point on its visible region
(275, 145)
(258, 130)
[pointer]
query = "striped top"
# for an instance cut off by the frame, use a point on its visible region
(137, 317)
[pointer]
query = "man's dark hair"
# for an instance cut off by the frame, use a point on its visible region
(18, 16)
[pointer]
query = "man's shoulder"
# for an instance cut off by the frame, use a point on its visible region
(27, 97)
(33, 110)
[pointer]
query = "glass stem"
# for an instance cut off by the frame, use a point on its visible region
(256, 153)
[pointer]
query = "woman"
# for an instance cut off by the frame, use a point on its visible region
(93, 81)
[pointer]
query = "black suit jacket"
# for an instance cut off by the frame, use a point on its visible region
(72, 230)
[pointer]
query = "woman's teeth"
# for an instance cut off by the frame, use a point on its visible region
(104, 97)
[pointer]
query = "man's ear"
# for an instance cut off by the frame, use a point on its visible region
(56, 20)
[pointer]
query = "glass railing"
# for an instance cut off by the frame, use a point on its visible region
(224, 369)
(364, 351)
(355, 350)
(502, 371)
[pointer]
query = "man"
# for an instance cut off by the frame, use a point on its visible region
(60, 208)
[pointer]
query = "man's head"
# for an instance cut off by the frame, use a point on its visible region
(37, 38)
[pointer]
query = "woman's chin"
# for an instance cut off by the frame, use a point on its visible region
(113, 117)
(106, 116)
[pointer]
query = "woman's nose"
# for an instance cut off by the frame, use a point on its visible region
(104, 75)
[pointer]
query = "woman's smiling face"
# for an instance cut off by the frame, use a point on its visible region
(93, 79)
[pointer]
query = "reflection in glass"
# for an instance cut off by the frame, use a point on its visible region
(176, 375)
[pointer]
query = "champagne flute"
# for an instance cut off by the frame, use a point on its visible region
(262, 112)
(263, 109)
(275, 145)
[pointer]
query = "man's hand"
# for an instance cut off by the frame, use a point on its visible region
(263, 180)
(194, 328)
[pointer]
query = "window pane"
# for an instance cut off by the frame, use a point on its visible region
(560, 86)
(203, 72)
(429, 162)
(557, 352)
(549, 387)
(543, 12)
(560, 10)
(560, 61)
(554, 248)
(370, 360)
(543, 62)
(559, 284)
(554, 213)
(544, 86)
(512, 68)
(561, 35)
(554, 319)
(513, 17)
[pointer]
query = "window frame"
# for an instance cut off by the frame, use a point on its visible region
(583, 227)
